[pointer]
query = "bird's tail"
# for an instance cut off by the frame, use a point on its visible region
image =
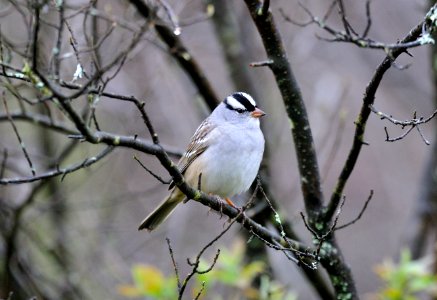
(164, 209)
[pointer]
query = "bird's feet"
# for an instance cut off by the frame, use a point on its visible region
(232, 204)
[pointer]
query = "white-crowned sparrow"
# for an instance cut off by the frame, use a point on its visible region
(226, 150)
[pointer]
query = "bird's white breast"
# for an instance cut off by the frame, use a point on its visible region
(229, 167)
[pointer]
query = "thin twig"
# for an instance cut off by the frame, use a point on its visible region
(146, 119)
(38, 119)
(196, 263)
(422, 135)
(97, 75)
(175, 265)
(329, 10)
(276, 214)
(200, 291)
(3, 164)
(59, 171)
(172, 16)
(178, 50)
(342, 13)
(369, 20)
(58, 47)
(17, 134)
(359, 215)
(389, 139)
(73, 44)
(323, 237)
(411, 123)
(349, 35)
(157, 177)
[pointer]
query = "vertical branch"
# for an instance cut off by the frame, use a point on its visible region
(3, 164)
(95, 37)
(58, 47)
(342, 13)
(232, 45)
(333, 261)
(36, 23)
(182, 55)
(295, 107)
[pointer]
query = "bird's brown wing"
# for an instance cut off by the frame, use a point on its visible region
(198, 144)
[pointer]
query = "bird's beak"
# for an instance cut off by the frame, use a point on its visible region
(257, 113)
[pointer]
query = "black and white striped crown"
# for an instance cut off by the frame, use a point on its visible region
(240, 102)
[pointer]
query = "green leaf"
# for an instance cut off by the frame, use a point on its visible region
(149, 280)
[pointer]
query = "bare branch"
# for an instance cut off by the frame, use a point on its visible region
(359, 215)
(369, 20)
(361, 121)
(412, 123)
(182, 55)
(36, 23)
(39, 119)
(200, 291)
(388, 139)
(58, 171)
(151, 173)
(17, 134)
(295, 108)
(58, 47)
(3, 164)
(322, 238)
(349, 35)
(175, 265)
(195, 270)
(422, 135)
(172, 16)
(341, 11)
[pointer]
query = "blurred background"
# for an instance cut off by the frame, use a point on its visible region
(78, 239)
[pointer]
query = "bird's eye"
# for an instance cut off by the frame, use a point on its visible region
(239, 110)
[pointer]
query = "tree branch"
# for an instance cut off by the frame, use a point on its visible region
(361, 121)
(295, 107)
(178, 50)
(349, 35)
(64, 171)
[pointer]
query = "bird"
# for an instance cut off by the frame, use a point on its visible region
(224, 154)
